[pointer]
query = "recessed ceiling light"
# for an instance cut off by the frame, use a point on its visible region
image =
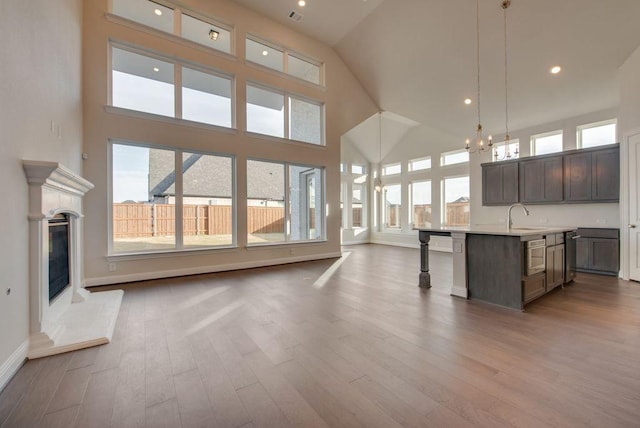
(158, 12)
(467, 101)
(156, 69)
(556, 69)
(265, 53)
(302, 3)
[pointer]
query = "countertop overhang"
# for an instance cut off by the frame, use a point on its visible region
(496, 229)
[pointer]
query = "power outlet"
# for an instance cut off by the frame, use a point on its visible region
(112, 267)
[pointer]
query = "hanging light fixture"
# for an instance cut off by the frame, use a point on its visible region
(377, 182)
(507, 139)
(479, 145)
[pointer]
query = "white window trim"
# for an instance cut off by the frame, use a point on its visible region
(286, 52)
(543, 135)
(411, 161)
(581, 128)
(287, 217)
(179, 247)
(178, 64)
(452, 152)
(178, 11)
(287, 97)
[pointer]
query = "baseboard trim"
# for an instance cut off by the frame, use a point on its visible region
(10, 367)
(145, 276)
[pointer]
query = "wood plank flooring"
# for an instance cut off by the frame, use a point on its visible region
(344, 344)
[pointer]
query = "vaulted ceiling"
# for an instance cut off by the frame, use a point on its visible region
(417, 58)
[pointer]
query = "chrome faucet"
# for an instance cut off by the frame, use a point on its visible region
(509, 221)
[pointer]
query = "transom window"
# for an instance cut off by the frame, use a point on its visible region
(162, 16)
(282, 115)
(597, 134)
(147, 83)
(149, 185)
(550, 142)
(454, 157)
(285, 202)
(420, 164)
(279, 59)
(391, 169)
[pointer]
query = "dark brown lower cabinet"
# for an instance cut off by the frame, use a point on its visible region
(555, 266)
(598, 251)
(533, 287)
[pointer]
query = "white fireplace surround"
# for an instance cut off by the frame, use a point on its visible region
(76, 318)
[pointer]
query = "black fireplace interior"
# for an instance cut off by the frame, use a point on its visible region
(58, 255)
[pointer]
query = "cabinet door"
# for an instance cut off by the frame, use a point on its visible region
(603, 254)
(532, 287)
(577, 177)
(582, 253)
(550, 266)
(541, 180)
(605, 175)
(558, 265)
(500, 184)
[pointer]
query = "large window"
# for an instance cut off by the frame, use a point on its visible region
(268, 108)
(597, 134)
(147, 188)
(277, 215)
(392, 199)
(146, 83)
(550, 142)
(420, 192)
(455, 193)
(193, 27)
(503, 151)
(279, 59)
(454, 157)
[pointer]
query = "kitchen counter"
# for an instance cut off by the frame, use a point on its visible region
(489, 261)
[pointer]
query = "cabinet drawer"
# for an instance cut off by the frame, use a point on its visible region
(598, 233)
(533, 286)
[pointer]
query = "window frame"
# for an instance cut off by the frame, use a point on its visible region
(581, 128)
(178, 65)
(286, 53)
(444, 155)
(179, 205)
(384, 172)
(383, 199)
(178, 11)
(287, 113)
(535, 137)
(443, 202)
(410, 167)
(287, 202)
(411, 205)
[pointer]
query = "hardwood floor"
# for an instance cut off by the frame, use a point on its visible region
(347, 343)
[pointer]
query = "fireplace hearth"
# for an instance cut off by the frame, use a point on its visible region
(63, 315)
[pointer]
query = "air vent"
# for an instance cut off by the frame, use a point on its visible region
(295, 16)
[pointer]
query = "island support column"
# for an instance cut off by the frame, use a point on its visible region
(424, 279)
(459, 287)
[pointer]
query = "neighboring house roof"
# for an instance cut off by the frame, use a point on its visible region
(461, 199)
(210, 176)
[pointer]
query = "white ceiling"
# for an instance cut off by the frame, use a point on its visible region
(417, 57)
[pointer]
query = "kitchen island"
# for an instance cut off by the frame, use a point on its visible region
(506, 267)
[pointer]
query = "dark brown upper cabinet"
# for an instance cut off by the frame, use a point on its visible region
(578, 176)
(541, 180)
(500, 183)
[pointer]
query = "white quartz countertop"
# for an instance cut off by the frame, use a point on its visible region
(497, 229)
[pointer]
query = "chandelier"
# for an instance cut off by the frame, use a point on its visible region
(479, 145)
(507, 140)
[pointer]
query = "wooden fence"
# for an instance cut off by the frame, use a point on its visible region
(457, 213)
(145, 220)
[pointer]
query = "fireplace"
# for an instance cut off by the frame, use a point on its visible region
(63, 316)
(58, 255)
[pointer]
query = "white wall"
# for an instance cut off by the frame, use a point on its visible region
(590, 215)
(628, 124)
(346, 103)
(41, 74)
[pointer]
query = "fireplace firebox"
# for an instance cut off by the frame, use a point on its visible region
(58, 255)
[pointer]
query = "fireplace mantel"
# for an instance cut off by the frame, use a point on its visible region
(75, 319)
